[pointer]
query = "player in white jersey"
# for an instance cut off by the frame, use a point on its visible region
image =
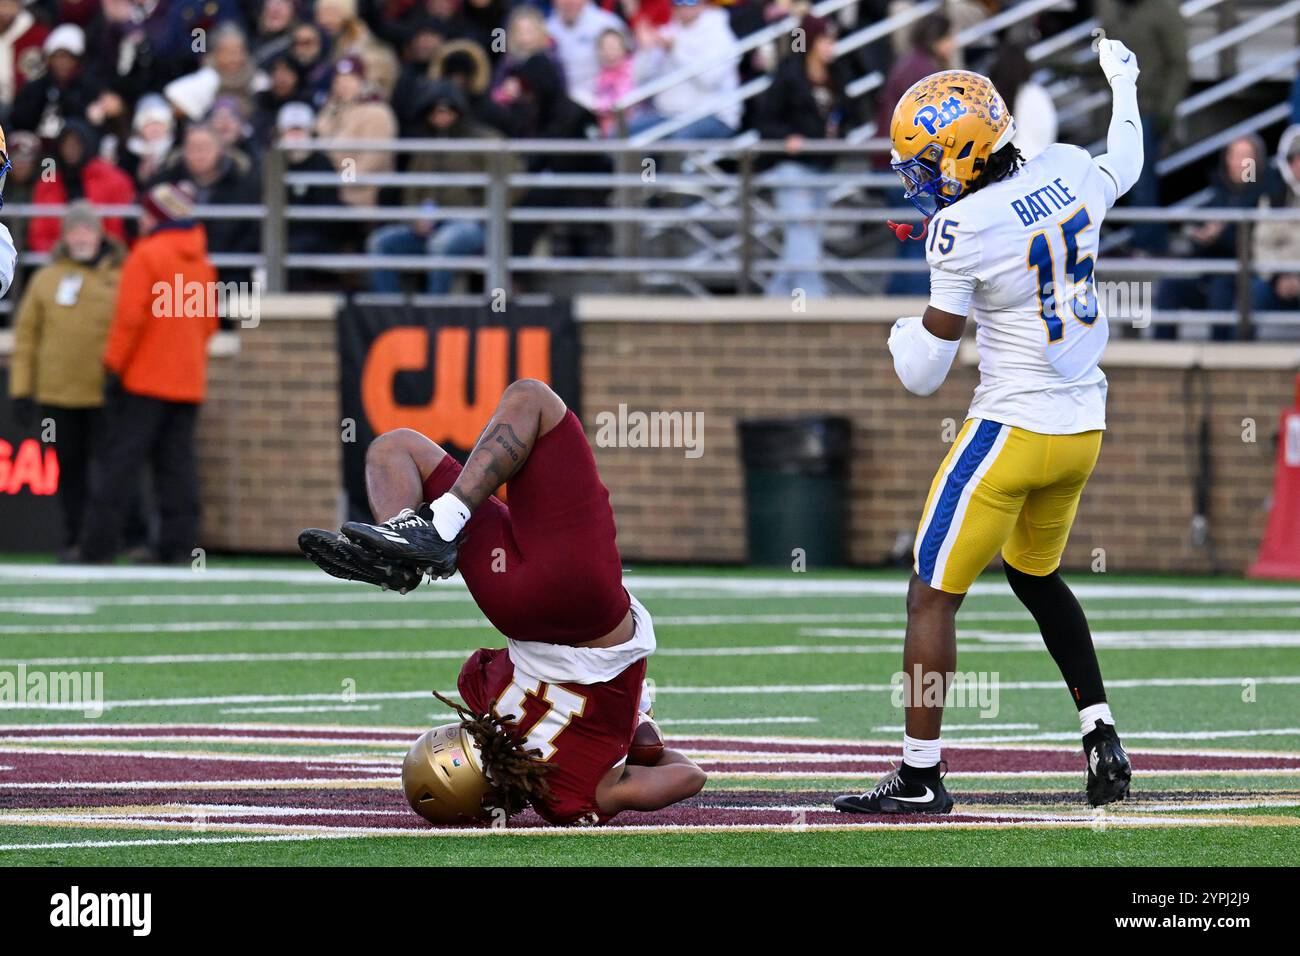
(1012, 245)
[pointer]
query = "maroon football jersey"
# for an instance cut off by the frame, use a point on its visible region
(582, 730)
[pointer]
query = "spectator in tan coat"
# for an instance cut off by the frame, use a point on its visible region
(353, 111)
(56, 377)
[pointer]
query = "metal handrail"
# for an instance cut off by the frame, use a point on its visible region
(732, 54)
(732, 227)
(1248, 28)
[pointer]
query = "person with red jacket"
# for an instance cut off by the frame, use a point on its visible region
(156, 361)
(78, 174)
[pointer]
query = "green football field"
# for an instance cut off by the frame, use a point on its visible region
(256, 712)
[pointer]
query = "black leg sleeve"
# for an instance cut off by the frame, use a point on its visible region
(1065, 632)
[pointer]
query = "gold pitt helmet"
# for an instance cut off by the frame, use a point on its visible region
(443, 776)
(943, 132)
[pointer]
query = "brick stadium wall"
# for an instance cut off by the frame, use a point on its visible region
(270, 447)
(1138, 507)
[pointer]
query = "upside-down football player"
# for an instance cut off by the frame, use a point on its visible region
(1012, 245)
(549, 720)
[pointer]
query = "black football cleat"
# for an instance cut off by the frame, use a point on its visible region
(1109, 771)
(409, 538)
(336, 555)
(893, 794)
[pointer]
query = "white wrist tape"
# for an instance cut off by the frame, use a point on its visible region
(921, 359)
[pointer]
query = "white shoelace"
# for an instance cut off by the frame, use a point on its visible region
(887, 786)
(406, 518)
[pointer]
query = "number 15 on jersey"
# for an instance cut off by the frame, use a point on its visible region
(1079, 299)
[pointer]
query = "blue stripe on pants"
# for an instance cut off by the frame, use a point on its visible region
(941, 519)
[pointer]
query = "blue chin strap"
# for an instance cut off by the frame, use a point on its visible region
(924, 186)
(4, 174)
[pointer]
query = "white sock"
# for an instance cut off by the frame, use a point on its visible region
(449, 516)
(1090, 715)
(647, 699)
(921, 753)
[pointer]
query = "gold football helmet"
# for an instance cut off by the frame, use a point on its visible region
(443, 776)
(943, 132)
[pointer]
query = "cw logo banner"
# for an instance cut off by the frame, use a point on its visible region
(454, 415)
(440, 371)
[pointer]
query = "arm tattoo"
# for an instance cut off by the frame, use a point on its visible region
(500, 453)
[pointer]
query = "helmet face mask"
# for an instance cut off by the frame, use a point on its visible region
(943, 131)
(924, 184)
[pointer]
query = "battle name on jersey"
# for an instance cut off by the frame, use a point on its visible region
(1042, 202)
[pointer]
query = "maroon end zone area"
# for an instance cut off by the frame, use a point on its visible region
(365, 796)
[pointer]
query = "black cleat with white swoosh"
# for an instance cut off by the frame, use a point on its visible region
(893, 794)
(1109, 770)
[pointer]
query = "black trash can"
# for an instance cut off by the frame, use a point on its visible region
(796, 473)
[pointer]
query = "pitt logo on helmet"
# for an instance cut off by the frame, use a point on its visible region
(943, 132)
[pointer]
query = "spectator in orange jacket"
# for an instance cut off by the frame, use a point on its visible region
(156, 360)
(78, 174)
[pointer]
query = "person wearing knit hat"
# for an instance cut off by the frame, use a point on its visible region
(156, 360)
(353, 111)
(63, 92)
(66, 38)
(153, 135)
(294, 124)
(59, 334)
(295, 116)
(167, 204)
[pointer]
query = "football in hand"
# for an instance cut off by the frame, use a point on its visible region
(647, 743)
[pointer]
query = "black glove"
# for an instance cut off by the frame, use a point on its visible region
(26, 412)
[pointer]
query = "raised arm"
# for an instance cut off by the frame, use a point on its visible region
(1122, 161)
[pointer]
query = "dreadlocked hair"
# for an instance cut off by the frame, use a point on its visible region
(515, 776)
(1000, 165)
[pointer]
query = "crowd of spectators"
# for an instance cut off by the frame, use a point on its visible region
(103, 100)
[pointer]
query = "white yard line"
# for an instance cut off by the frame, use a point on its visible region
(85, 604)
(385, 763)
(739, 585)
(899, 728)
(1186, 637)
(346, 708)
(727, 721)
(1130, 735)
(317, 733)
(256, 624)
(1114, 641)
(304, 834)
(250, 783)
(719, 690)
(199, 738)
